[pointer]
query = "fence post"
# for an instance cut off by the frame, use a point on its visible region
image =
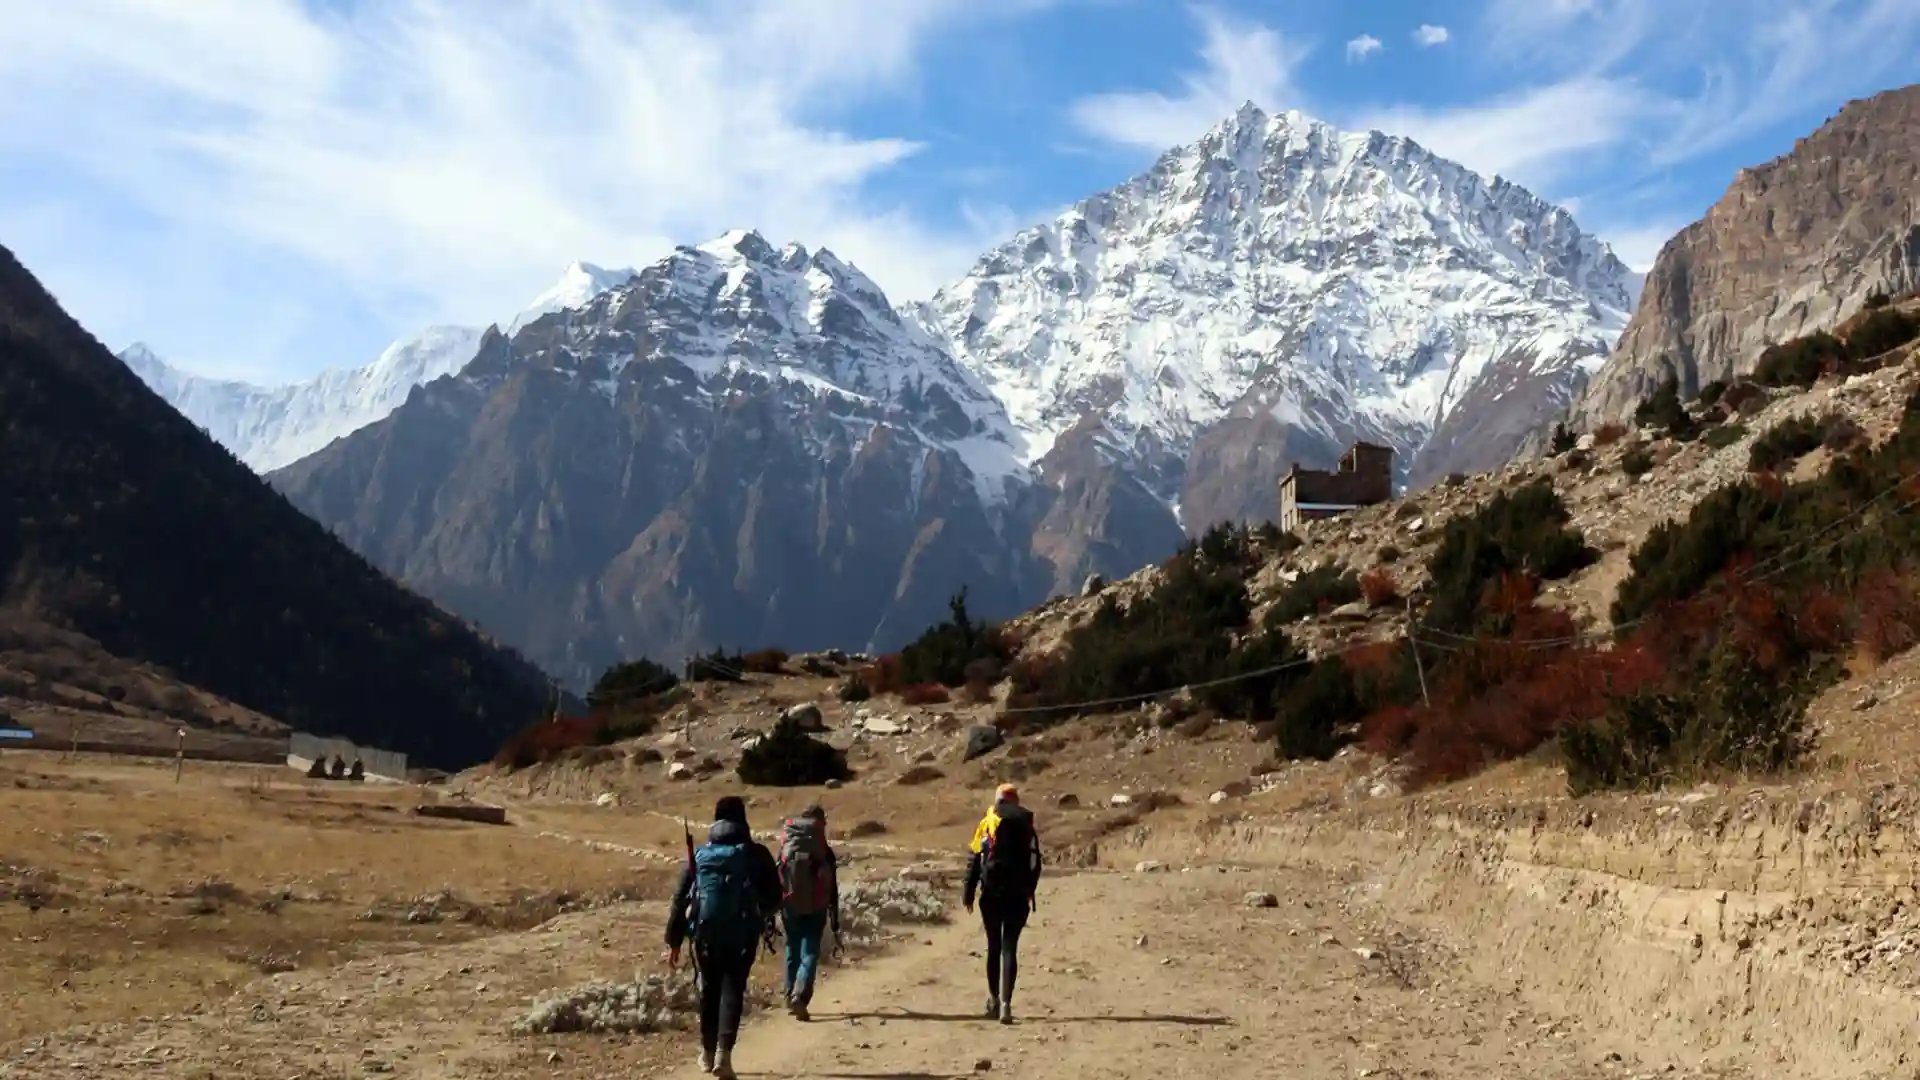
(180, 754)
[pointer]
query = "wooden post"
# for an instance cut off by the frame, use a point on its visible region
(180, 754)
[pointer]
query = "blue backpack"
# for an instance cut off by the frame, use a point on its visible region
(726, 907)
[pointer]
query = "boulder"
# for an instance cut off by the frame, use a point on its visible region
(982, 739)
(679, 771)
(606, 798)
(806, 717)
(1093, 585)
(1120, 800)
(1261, 899)
(882, 725)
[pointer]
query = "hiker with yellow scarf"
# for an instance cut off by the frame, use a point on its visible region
(1003, 868)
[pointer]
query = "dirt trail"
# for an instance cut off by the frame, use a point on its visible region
(1218, 989)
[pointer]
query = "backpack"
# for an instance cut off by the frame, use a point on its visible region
(726, 911)
(805, 875)
(1008, 857)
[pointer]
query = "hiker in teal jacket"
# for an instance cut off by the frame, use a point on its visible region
(726, 903)
(811, 884)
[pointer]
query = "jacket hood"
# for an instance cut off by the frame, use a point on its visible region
(728, 832)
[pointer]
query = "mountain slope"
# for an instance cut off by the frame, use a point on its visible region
(743, 445)
(1795, 245)
(272, 426)
(1278, 289)
(751, 446)
(120, 520)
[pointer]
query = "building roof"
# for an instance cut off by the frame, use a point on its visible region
(1325, 506)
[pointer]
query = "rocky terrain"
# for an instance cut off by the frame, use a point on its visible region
(1796, 245)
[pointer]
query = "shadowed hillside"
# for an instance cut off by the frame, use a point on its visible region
(120, 519)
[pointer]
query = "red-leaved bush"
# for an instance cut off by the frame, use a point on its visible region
(547, 740)
(1378, 588)
(925, 694)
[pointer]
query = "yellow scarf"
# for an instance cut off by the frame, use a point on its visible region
(984, 830)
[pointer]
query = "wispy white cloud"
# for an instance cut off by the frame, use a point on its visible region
(1362, 47)
(1427, 36)
(1525, 136)
(1241, 61)
(443, 166)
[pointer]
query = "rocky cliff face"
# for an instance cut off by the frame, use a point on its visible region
(1795, 245)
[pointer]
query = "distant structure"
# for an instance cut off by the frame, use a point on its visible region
(1364, 478)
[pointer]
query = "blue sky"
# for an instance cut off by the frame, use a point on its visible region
(264, 189)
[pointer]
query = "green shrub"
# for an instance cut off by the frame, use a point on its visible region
(1562, 440)
(943, 653)
(624, 684)
(1800, 362)
(854, 689)
(1711, 393)
(789, 757)
(1317, 590)
(1877, 300)
(1637, 462)
(1724, 436)
(1312, 712)
(1787, 442)
(1885, 329)
(1525, 532)
(717, 666)
(1180, 633)
(1663, 411)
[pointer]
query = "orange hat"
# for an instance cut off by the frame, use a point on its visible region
(1007, 793)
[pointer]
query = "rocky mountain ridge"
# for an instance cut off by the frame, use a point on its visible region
(1795, 245)
(750, 444)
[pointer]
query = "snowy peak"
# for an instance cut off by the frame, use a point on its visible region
(1345, 284)
(577, 287)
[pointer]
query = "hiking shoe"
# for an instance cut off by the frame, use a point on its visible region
(706, 1061)
(723, 1065)
(993, 1006)
(1006, 1012)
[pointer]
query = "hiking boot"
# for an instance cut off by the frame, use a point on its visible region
(723, 1065)
(993, 1006)
(1006, 1012)
(706, 1062)
(799, 1010)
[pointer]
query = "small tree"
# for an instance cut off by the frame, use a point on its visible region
(1563, 440)
(622, 685)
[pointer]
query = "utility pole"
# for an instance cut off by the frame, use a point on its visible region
(180, 754)
(1418, 667)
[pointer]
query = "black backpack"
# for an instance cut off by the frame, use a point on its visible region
(1009, 858)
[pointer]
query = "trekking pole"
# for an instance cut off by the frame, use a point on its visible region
(693, 942)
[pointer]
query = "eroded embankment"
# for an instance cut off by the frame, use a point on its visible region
(1774, 929)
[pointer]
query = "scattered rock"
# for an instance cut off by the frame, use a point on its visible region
(882, 725)
(1093, 585)
(866, 828)
(1218, 797)
(1066, 800)
(919, 774)
(1365, 953)
(983, 1065)
(1121, 799)
(679, 771)
(832, 785)
(1148, 867)
(1260, 900)
(606, 799)
(982, 739)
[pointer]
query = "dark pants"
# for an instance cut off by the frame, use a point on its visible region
(803, 934)
(1004, 919)
(723, 993)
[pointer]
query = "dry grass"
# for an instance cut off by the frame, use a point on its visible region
(154, 898)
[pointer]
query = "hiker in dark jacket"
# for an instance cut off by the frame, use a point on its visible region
(809, 875)
(1003, 868)
(726, 902)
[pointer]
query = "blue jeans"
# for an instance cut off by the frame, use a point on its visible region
(803, 934)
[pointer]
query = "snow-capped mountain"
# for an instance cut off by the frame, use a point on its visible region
(1313, 285)
(746, 444)
(743, 443)
(271, 426)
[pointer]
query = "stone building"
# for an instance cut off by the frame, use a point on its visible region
(1364, 477)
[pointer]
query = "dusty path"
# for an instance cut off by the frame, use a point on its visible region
(1217, 990)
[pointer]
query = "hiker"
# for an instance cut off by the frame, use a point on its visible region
(726, 902)
(810, 880)
(1003, 867)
